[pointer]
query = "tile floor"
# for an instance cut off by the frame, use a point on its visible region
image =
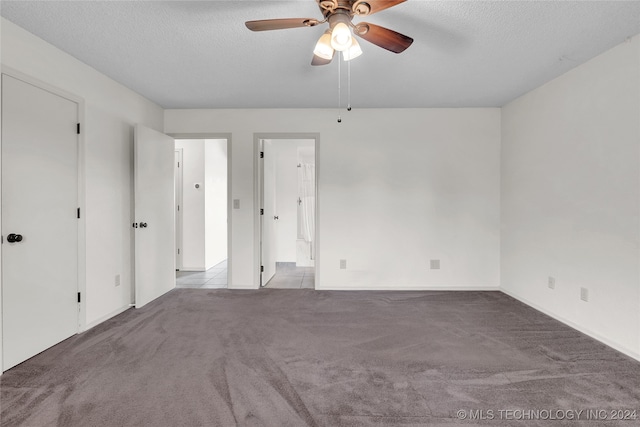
(213, 278)
(288, 276)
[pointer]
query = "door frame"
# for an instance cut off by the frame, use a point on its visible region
(81, 185)
(258, 180)
(227, 136)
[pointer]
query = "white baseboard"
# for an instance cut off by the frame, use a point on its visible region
(242, 287)
(192, 269)
(407, 288)
(594, 335)
(105, 318)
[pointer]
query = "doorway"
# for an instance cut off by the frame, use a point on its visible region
(201, 182)
(287, 193)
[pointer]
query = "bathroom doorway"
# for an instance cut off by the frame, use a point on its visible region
(288, 212)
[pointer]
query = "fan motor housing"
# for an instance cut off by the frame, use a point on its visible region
(352, 7)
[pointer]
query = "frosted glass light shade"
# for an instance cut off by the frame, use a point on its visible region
(323, 47)
(341, 38)
(353, 52)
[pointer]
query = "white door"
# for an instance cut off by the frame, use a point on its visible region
(39, 220)
(178, 209)
(155, 261)
(268, 222)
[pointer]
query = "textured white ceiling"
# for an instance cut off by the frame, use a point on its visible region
(198, 54)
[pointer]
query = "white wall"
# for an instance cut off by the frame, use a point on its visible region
(215, 158)
(571, 197)
(396, 188)
(111, 110)
(193, 204)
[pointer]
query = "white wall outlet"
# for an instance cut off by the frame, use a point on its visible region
(435, 264)
(551, 283)
(343, 264)
(584, 294)
(117, 281)
(236, 203)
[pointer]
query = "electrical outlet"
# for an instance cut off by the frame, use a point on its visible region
(435, 264)
(343, 264)
(551, 283)
(236, 203)
(584, 294)
(117, 280)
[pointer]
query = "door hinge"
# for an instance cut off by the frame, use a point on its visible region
(78, 129)
(79, 297)
(261, 211)
(178, 164)
(178, 208)
(262, 269)
(78, 213)
(262, 154)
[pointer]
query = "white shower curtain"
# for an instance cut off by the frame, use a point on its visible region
(307, 201)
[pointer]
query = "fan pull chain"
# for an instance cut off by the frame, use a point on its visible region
(349, 86)
(339, 89)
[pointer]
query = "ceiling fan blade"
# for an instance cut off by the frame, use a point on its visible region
(383, 37)
(374, 6)
(320, 61)
(280, 24)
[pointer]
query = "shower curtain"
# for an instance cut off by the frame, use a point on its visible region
(307, 204)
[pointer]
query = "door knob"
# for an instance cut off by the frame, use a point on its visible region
(143, 225)
(14, 238)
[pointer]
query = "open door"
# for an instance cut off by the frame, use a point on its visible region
(268, 226)
(155, 261)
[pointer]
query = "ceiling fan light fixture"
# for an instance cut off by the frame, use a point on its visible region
(323, 48)
(341, 38)
(353, 52)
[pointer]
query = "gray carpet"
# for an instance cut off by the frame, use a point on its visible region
(318, 358)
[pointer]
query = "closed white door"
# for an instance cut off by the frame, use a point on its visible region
(155, 261)
(39, 220)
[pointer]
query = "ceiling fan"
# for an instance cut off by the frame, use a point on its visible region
(339, 37)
